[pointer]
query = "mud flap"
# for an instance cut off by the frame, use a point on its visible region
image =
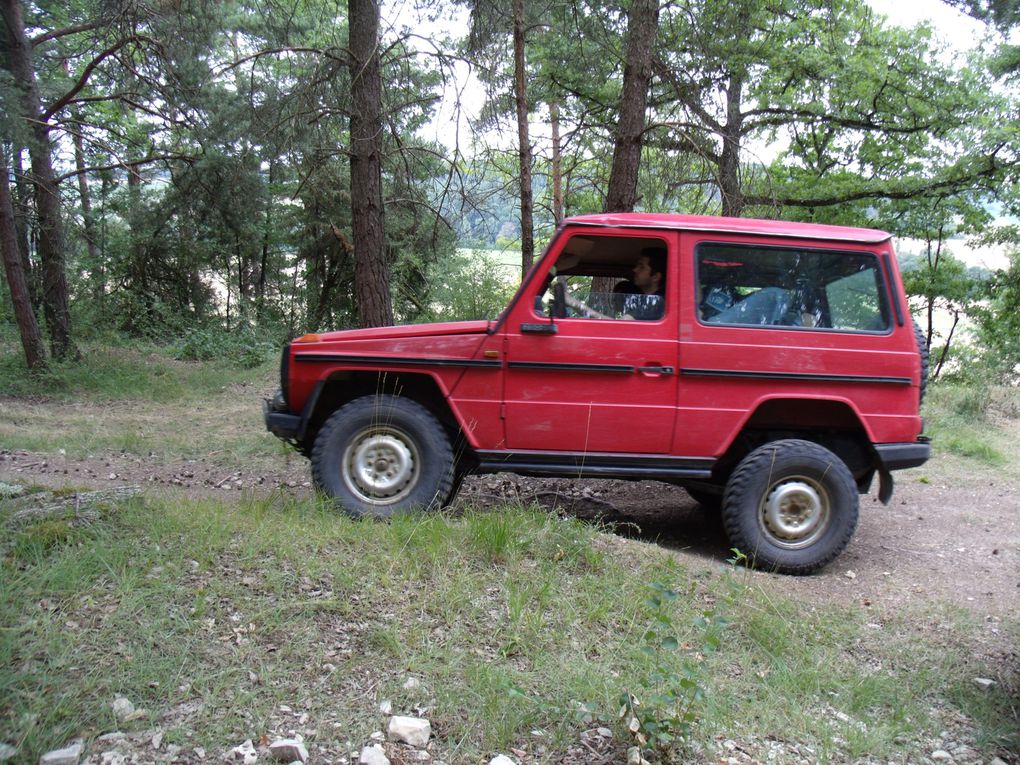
(885, 486)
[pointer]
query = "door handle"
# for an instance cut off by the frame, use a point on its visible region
(539, 328)
(656, 370)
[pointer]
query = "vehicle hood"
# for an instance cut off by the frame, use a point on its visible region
(407, 331)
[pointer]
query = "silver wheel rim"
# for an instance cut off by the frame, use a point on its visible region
(380, 466)
(795, 512)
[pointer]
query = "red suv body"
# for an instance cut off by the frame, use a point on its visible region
(771, 368)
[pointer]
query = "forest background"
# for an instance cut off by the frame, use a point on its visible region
(219, 176)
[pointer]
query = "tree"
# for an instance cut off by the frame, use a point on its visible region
(28, 328)
(47, 192)
(642, 26)
(371, 279)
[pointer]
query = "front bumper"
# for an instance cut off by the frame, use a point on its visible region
(902, 456)
(281, 424)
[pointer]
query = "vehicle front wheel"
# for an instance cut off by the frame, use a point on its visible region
(380, 455)
(790, 506)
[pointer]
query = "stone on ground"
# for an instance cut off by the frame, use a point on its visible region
(288, 750)
(411, 730)
(69, 755)
(373, 755)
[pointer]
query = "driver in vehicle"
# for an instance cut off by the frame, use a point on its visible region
(650, 280)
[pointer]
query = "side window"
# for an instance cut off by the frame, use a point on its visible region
(785, 287)
(607, 278)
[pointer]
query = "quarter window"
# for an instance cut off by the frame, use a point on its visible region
(785, 287)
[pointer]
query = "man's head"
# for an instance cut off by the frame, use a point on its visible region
(650, 270)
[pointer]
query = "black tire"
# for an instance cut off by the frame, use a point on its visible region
(922, 350)
(790, 506)
(381, 455)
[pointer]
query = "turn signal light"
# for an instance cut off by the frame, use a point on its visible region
(309, 338)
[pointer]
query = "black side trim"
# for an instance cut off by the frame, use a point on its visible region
(612, 368)
(577, 464)
(795, 376)
(389, 361)
(902, 456)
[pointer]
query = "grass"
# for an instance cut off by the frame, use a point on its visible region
(960, 419)
(512, 622)
(164, 408)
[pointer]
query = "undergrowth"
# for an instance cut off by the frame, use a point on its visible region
(959, 418)
(136, 371)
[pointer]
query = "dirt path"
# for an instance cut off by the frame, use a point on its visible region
(950, 535)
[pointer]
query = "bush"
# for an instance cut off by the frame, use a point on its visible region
(243, 347)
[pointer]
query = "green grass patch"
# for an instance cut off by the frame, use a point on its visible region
(958, 420)
(211, 616)
(136, 373)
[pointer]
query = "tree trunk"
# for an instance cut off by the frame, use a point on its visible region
(31, 339)
(557, 163)
(729, 161)
(47, 193)
(22, 202)
(524, 142)
(642, 27)
(371, 272)
(88, 219)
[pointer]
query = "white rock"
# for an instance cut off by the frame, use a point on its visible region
(288, 750)
(6, 750)
(604, 732)
(113, 757)
(373, 755)
(412, 683)
(157, 740)
(378, 735)
(69, 755)
(245, 753)
(984, 682)
(411, 730)
(997, 761)
(122, 708)
(850, 575)
(633, 756)
(502, 759)
(386, 707)
(941, 754)
(111, 738)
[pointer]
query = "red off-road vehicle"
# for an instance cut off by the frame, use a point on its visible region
(772, 369)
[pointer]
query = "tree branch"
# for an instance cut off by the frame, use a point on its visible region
(83, 80)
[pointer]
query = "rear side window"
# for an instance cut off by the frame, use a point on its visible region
(783, 287)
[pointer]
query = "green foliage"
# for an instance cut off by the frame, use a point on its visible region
(129, 372)
(672, 690)
(957, 418)
(243, 346)
(471, 286)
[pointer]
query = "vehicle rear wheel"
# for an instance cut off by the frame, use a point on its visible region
(381, 455)
(790, 506)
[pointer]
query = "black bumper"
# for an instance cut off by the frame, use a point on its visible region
(281, 424)
(902, 456)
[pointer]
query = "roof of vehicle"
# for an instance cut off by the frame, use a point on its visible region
(731, 226)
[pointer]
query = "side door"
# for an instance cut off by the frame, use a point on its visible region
(592, 364)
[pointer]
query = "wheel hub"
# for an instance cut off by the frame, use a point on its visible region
(795, 513)
(380, 466)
